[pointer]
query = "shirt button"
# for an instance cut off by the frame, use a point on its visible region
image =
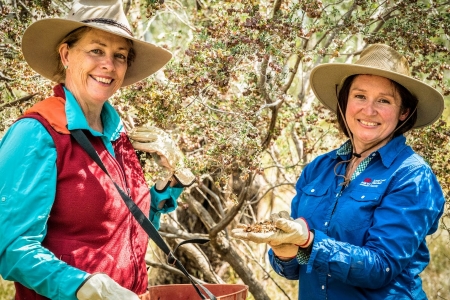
(329, 275)
(3, 199)
(313, 190)
(387, 269)
(326, 224)
(362, 197)
(323, 287)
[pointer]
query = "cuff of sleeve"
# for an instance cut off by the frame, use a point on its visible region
(170, 196)
(304, 254)
(73, 278)
(280, 262)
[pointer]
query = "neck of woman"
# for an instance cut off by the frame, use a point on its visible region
(366, 150)
(93, 118)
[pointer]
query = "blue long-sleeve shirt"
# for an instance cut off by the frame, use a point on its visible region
(27, 192)
(370, 236)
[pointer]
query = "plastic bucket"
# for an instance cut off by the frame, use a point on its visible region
(188, 292)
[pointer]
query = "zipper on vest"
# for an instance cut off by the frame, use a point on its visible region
(126, 188)
(121, 172)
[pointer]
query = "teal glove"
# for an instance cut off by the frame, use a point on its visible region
(163, 202)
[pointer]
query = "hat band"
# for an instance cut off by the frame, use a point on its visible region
(109, 22)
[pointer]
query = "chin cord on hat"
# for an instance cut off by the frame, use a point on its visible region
(350, 134)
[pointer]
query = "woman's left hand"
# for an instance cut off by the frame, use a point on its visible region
(166, 154)
(285, 251)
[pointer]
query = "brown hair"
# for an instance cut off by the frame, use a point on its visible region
(71, 39)
(409, 102)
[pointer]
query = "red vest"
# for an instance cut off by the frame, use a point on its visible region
(90, 226)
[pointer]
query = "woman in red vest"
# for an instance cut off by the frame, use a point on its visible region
(65, 231)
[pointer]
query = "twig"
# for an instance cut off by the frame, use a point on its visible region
(4, 77)
(214, 196)
(171, 231)
(292, 73)
(272, 188)
(233, 211)
(12, 103)
(26, 8)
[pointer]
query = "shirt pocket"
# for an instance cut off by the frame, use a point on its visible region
(356, 210)
(311, 196)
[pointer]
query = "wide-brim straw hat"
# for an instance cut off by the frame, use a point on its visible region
(41, 38)
(380, 60)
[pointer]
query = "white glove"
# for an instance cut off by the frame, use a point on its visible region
(283, 251)
(290, 232)
(100, 286)
(166, 154)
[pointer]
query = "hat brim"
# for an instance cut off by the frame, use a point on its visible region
(41, 38)
(324, 79)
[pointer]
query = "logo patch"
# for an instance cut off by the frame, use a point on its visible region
(369, 182)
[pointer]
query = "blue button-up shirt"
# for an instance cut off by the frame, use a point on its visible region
(27, 192)
(369, 236)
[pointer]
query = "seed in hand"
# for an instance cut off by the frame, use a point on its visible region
(259, 227)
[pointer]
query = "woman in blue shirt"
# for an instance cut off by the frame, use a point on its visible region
(362, 212)
(65, 232)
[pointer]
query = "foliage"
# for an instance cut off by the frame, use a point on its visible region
(236, 98)
(6, 289)
(435, 276)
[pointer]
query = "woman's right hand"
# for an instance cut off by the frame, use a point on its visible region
(285, 251)
(100, 286)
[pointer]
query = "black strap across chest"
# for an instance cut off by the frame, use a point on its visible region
(84, 142)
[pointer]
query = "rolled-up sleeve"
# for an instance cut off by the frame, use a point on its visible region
(169, 196)
(287, 269)
(27, 193)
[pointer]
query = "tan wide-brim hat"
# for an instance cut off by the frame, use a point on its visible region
(380, 60)
(41, 38)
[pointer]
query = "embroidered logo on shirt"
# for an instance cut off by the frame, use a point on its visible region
(372, 183)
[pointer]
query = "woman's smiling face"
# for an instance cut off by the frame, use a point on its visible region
(373, 111)
(96, 66)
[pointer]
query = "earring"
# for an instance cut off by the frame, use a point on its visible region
(65, 67)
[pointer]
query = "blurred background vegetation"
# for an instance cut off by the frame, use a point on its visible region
(237, 100)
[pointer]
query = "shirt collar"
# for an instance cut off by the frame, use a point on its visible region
(112, 124)
(392, 149)
(387, 153)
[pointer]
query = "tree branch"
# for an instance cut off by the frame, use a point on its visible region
(232, 212)
(167, 229)
(199, 211)
(4, 77)
(194, 254)
(222, 246)
(12, 103)
(292, 73)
